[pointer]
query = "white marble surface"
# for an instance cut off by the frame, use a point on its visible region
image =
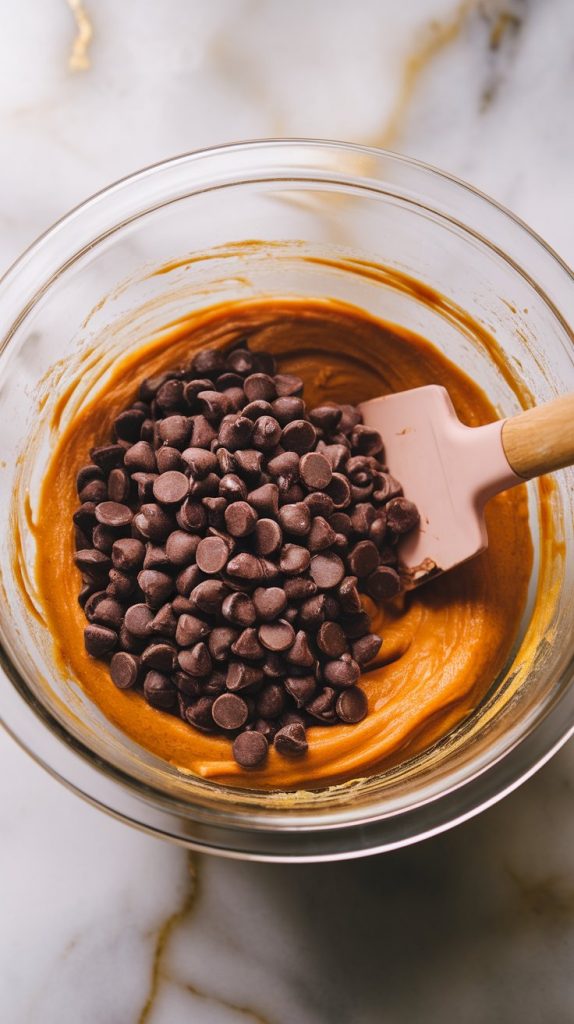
(99, 923)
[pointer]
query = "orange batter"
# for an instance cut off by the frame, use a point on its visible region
(443, 645)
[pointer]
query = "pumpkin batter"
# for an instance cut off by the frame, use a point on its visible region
(443, 645)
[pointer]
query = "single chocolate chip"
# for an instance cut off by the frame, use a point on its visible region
(294, 559)
(153, 522)
(349, 419)
(128, 425)
(247, 645)
(340, 491)
(229, 711)
(285, 466)
(327, 570)
(342, 673)
(270, 703)
(239, 609)
(256, 409)
(301, 688)
(161, 656)
(108, 612)
(232, 487)
(209, 362)
(212, 554)
(100, 641)
(402, 515)
(356, 625)
(331, 640)
(269, 602)
(383, 583)
(300, 653)
(349, 595)
(165, 622)
(352, 705)
(214, 405)
(248, 464)
(319, 504)
(200, 462)
(265, 500)
(104, 538)
(108, 456)
(171, 488)
(241, 361)
(268, 537)
(326, 417)
(321, 536)
(275, 667)
(124, 670)
(235, 432)
(196, 661)
(92, 562)
(169, 397)
(120, 585)
(299, 589)
(315, 471)
(288, 384)
(191, 517)
(266, 433)
(151, 385)
(260, 386)
(245, 567)
(156, 586)
(291, 495)
(276, 636)
(118, 486)
(299, 436)
(366, 648)
(240, 519)
(312, 612)
(181, 547)
(250, 749)
(128, 554)
(322, 707)
(386, 487)
(295, 519)
(111, 513)
(336, 454)
(187, 580)
(159, 691)
(363, 558)
(241, 676)
(220, 640)
(190, 630)
(365, 440)
(141, 458)
(94, 490)
(145, 482)
(199, 714)
(287, 409)
(138, 620)
(209, 596)
(215, 509)
(290, 740)
(155, 557)
(175, 431)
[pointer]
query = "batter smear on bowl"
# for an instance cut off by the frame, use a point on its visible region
(236, 533)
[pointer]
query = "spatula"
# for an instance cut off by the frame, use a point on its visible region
(450, 470)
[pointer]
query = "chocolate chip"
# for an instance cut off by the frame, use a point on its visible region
(175, 431)
(285, 466)
(276, 636)
(356, 625)
(157, 586)
(241, 361)
(103, 538)
(192, 516)
(118, 486)
(112, 513)
(120, 584)
(128, 424)
(153, 522)
(322, 707)
(209, 596)
(145, 482)
(128, 554)
(209, 362)
(187, 580)
(196, 661)
(229, 711)
(291, 740)
(366, 440)
(199, 714)
(299, 589)
(315, 471)
(190, 630)
(295, 519)
(164, 622)
(299, 436)
(235, 432)
(125, 670)
(99, 641)
(212, 554)
(161, 656)
(352, 705)
(402, 515)
(92, 562)
(270, 703)
(331, 640)
(321, 536)
(249, 464)
(294, 559)
(94, 490)
(326, 417)
(342, 673)
(171, 488)
(220, 640)
(386, 487)
(170, 396)
(260, 386)
(363, 558)
(312, 612)
(141, 458)
(215, 509)
(138, 620)
(288, 384)
(265, 500)
(366, 648)
(214, 405)
(383, 583)
(319, 504)
(159, 690)
(108, 456)
(327, 570)
(301, 688)
(247, 645)
(241, 676)
(181, 548)
(239, 609)
(269, 602)
(300, 653)
(268, 537)
(85, 474)
(108, 612)
(250, 749)
(245, 567)
(349, 595)
(240, 519)
(339, 490)
(287, 409)
(256, 409)
(266, 433)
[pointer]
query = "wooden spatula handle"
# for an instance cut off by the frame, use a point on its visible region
(542, 439)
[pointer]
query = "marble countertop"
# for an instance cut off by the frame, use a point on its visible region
(103, 925)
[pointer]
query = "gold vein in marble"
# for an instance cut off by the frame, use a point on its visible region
(79, 59)
(164, 933)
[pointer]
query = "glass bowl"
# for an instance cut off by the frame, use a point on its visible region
(296, 218)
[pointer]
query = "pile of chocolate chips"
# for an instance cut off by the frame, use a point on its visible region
(224, 536)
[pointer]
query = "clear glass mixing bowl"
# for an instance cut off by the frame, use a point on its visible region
(323, 214)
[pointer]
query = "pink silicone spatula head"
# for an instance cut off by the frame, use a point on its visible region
(450, 470)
